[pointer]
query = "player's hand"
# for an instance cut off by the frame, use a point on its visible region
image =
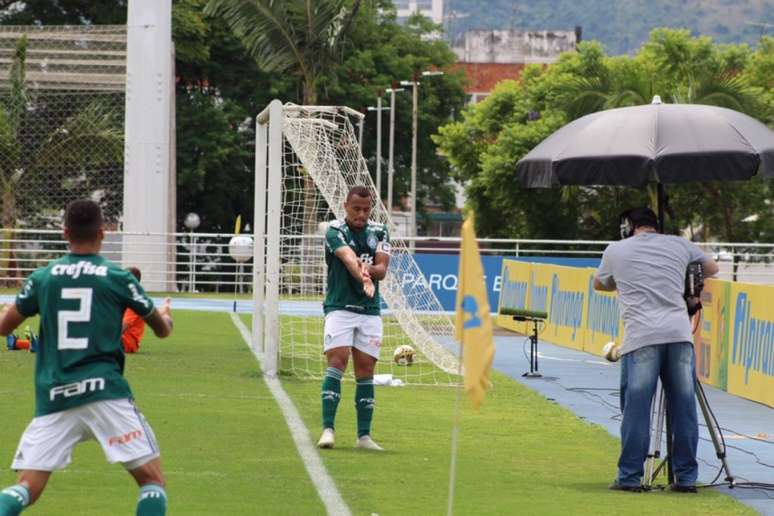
(166, 308)
(368, 286)
(364, 270)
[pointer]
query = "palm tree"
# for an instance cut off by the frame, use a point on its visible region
(300, 37)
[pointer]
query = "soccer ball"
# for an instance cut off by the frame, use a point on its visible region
(612, 351)
(403, 355)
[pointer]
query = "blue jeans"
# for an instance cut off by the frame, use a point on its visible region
(675, 363)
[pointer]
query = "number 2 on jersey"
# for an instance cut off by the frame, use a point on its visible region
(83, 314)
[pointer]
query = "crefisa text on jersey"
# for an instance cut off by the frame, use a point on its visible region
(76, 269)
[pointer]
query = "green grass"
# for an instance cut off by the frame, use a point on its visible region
(226, 448)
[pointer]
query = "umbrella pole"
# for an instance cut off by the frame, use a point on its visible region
(660, 203)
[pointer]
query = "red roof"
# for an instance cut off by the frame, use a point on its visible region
(482, 77)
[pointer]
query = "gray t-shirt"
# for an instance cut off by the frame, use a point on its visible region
(648, 271)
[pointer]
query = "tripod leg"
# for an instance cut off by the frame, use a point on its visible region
(669, 436)
(658, 415)
(714, 432)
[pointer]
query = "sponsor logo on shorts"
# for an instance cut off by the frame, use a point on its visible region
(375, 342)
(126, 438)
(77, 388)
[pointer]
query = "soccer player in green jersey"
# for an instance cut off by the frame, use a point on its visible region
(80, 390)
(357, 252)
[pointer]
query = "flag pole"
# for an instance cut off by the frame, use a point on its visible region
(455, 432)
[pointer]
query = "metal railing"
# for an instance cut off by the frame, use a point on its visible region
(201, 262)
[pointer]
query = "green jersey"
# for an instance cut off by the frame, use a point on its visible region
(81, 300)
(344, 291)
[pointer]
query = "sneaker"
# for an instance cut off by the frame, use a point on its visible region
(327, 439)
(367, 443)
(615, 486)
(677, 488)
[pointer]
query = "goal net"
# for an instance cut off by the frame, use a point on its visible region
(307, 159)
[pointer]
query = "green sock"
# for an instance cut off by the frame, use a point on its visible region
(152, 501)
(330, 394)
(13, 500)
(364, 404)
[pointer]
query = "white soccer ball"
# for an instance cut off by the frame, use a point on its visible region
(404, 355)
(612, 351)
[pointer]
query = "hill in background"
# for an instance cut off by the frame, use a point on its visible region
(620, 25)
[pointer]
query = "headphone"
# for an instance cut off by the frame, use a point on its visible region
(633, 218)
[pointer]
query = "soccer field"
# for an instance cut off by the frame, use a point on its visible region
(226, 448)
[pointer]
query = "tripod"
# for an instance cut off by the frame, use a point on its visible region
(660, 418)
(535, 317)
(533, 352)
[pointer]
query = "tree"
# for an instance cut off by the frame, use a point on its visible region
(298, 37)
(63, 12)
(379, 52)
(672, 64)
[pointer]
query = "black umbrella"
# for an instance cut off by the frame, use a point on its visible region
(653, 143)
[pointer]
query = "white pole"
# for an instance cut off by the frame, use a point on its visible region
(360, 134)
(270, 361)
(259, 241)
(191, 262)
(414, 129)
(391, 152)
(455, 433)
(147, 132)
(379, 145)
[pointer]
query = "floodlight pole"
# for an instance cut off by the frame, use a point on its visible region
(391, 152)
(414, 83)
(378, 110)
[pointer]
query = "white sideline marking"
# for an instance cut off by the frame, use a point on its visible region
(326, 487)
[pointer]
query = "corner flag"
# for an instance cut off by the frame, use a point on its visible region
(473, 324)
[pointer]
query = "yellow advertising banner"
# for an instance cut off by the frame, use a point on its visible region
(711, 339)
(751, 343)
(514, 291)
(734, 342)
(603, 322)
(566, 306)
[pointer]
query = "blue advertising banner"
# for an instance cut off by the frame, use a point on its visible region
(441, 271)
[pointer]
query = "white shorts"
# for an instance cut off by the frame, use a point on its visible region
(345, 328)
(118, 426)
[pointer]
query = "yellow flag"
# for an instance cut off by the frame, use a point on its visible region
(473, 324)
(238, 224)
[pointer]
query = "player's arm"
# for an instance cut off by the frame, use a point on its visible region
(10, 319)
(356, 268)
(378, 270)
(160, 320)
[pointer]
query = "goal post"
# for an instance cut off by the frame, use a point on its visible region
(307, 159)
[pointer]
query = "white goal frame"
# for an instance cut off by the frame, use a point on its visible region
(429, 327)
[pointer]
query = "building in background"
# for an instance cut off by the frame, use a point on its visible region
(490, 56)
(432, 9)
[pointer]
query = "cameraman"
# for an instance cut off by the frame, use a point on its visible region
(648, 271)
